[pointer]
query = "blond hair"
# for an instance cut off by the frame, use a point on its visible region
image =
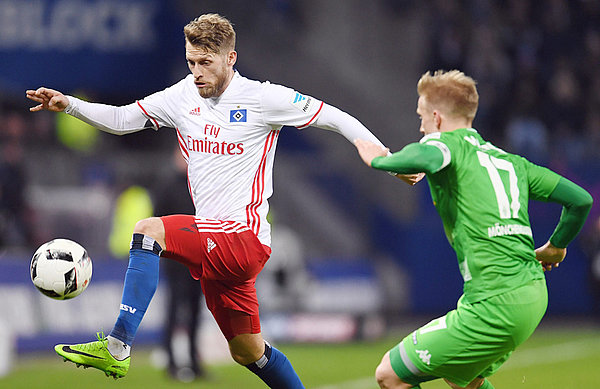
(452, 92)
(211, 32)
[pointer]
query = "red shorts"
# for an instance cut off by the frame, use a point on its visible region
(226, 257)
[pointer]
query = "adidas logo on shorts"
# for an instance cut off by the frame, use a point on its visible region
(210, 244)
(424, 355)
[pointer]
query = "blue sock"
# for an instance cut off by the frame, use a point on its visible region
(141, 281)
(276, 370)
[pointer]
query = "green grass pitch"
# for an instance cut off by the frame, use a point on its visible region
(552, 358)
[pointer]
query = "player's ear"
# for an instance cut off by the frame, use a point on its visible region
(437, 119)
(231, 58)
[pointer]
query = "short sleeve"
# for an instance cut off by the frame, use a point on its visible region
(435, 139)
(283, 106)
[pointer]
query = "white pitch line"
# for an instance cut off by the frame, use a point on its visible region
(540, 355)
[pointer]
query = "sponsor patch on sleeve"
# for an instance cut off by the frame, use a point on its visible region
(301, 101)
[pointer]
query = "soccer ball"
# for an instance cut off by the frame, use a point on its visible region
(61, 269)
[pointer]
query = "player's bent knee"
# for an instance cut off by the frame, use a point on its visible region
(247, 348)
(245, 357)
(152, 227)
(383, 378)
(147, 226)
(380, 374)
(387, 378)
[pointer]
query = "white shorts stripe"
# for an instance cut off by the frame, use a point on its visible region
(407, 362)
(212, 225)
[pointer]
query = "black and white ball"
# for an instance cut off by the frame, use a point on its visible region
(61, 269)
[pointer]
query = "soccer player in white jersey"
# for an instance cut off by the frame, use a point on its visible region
(227, 127)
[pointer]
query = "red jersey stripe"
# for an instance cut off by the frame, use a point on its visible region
(148, 115)
(258, 186)
(249, 213)
(181, 141)
(271, 141)
(312, 119)
(257, 189)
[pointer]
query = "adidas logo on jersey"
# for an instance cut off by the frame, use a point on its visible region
(210, 244)
(195, 111)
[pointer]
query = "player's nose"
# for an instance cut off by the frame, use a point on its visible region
(197, 72)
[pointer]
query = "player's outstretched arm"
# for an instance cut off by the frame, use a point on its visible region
(414, 158)
(47, 99)
(369, 150)
(114, 120)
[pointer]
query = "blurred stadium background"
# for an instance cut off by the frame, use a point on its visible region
(356, 253)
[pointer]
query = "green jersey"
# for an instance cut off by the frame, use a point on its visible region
(481, 193)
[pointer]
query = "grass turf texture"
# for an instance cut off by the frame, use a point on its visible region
(552, 358)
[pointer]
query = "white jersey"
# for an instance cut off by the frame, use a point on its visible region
(229, 143)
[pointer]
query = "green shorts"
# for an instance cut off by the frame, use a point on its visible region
(473, 340)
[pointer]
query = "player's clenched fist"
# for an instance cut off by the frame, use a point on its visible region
(48, 99)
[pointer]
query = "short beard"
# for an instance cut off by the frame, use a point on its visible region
(213, 90)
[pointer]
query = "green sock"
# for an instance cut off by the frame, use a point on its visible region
(486, 385)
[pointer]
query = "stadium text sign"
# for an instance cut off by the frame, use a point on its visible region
(71, 24)
(106, 46)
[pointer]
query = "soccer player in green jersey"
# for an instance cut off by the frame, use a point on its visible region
(481, 193)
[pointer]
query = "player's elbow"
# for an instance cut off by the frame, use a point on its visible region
(118, 130)
(586, 201)
(582, 204)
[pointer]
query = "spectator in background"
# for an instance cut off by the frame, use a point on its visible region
(185, 293)
(554, 45)
(525, 132)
